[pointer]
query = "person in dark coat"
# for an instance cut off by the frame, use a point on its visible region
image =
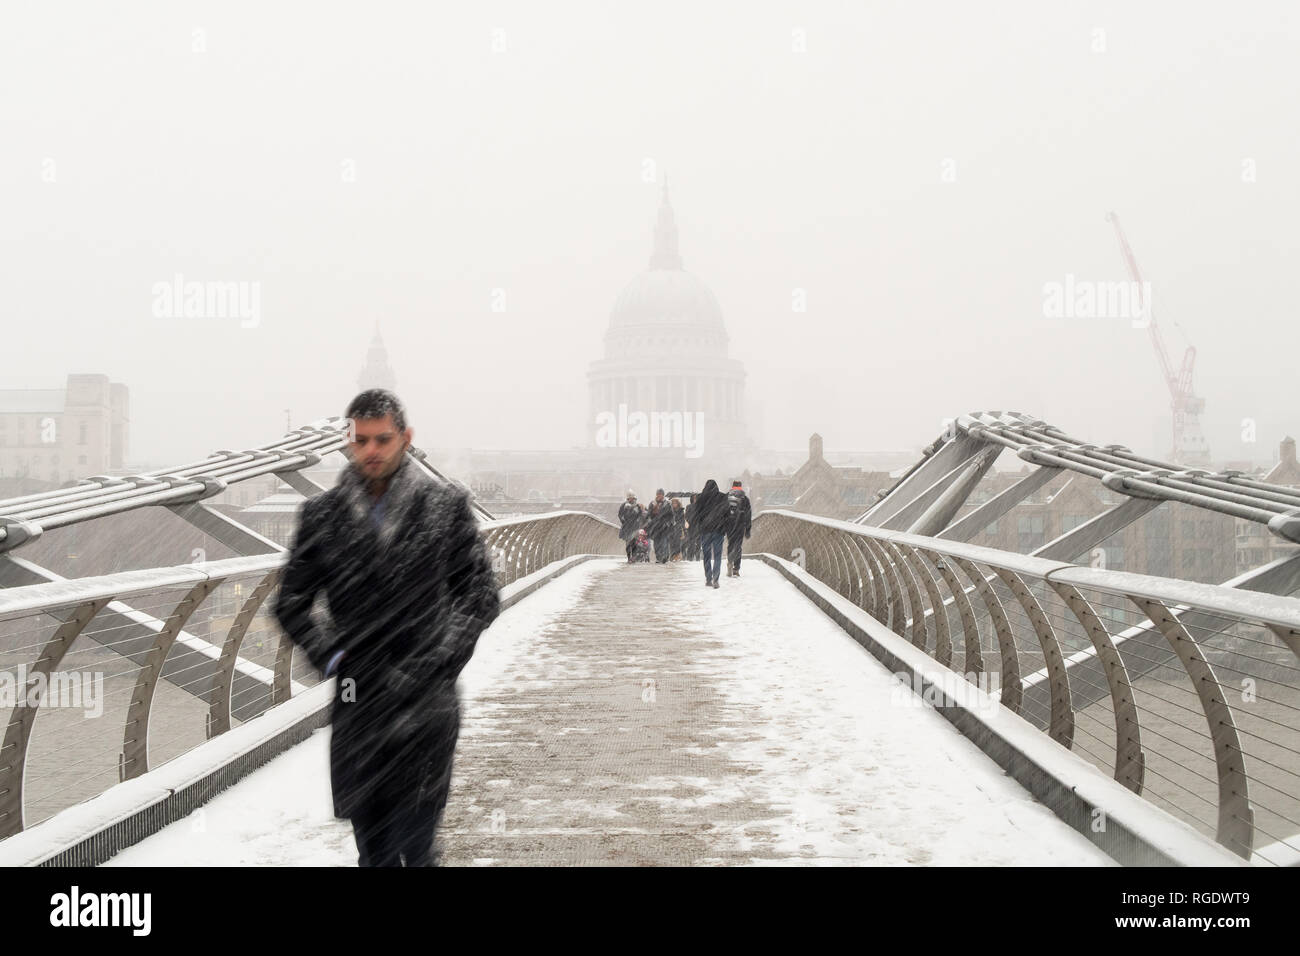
(410, 587)
(692, 532)
(660, 524)
(739, 525)
(679, 528)
(711, 516)
(631, 517)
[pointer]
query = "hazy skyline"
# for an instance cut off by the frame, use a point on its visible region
(920, 172)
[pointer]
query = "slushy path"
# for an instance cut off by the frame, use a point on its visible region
(627, 714)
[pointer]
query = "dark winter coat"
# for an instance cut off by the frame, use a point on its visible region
(692, 524)
(407, 603)
(659, 519)
(629, 520)
(740, 518)
(710, 509)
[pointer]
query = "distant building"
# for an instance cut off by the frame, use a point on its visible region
(815, 487)
(666, 403)
(377, 373)
(1256, 545)
(1286, 471)
(52, 436)
(1174, 540)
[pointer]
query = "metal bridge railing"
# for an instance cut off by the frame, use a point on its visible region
(25, 518)
(1189, 694)
(127, 671)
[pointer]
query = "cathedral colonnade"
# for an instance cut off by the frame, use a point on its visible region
(665, 351)
(716, 396)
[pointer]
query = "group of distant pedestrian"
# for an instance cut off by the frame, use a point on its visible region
(690, 533)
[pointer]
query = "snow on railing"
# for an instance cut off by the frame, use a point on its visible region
(172, 657)
(1188, 693)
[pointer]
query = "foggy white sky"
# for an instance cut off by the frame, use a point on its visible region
(522, 170)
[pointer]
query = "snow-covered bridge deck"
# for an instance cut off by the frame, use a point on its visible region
(627, 714)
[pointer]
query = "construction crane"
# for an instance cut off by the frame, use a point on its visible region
(1190, 447)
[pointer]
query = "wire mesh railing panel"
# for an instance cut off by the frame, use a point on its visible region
(1188, 694)
(137, 668)
(75, 744)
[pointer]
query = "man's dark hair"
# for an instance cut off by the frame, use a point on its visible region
(376, 403)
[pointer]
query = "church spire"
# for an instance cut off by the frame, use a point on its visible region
(665, 255)
(377, 373)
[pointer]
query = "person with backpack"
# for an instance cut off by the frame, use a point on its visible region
(739, 524)
(710, 517)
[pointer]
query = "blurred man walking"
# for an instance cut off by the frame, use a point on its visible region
(410, 587)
